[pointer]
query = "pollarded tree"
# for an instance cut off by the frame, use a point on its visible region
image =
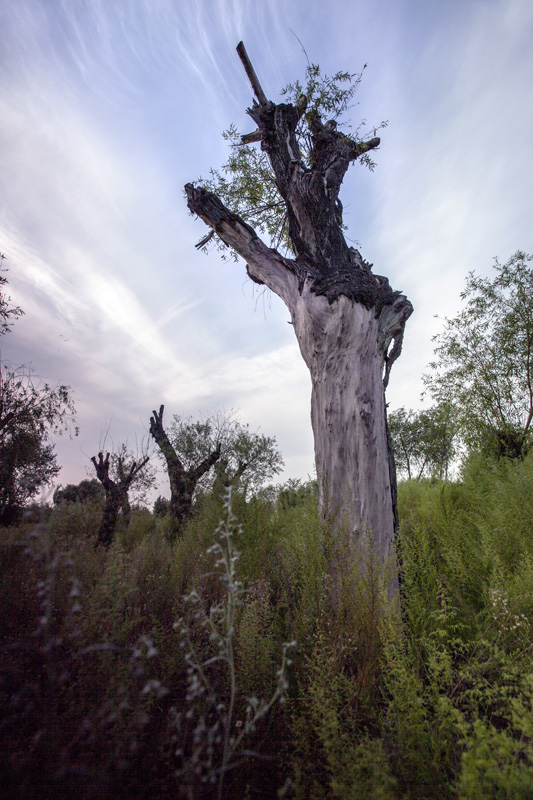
(349, 323)
(184, 466)
(192, 447)
(143, 481)
(116, 492)
(484, 360)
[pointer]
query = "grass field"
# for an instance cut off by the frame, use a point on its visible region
(225, 666)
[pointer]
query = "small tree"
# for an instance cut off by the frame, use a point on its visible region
(295, 493)
(30, 412)
(161, 507)
(484, 360)
(248, 459)
(116, 493)
(422, 441)
(143, 480)
(86, 491)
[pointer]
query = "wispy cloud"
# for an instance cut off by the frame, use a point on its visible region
(109, 107)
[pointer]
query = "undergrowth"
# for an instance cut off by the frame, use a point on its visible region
(160, 670)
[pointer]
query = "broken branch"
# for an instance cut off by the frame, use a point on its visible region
(252, 77)
(249, 138)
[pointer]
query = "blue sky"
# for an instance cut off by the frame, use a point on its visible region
(108, 107)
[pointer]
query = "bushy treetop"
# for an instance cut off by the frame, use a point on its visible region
(483, 367)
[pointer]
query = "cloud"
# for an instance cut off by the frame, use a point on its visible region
(109, 107)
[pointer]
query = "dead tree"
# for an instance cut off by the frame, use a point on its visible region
(349, 322)
(183, 481)
(116, 494)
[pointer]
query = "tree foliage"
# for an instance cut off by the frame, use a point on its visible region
(161, 506)
(30, 411)
(483, 368)
(86, 491)
(8, 313)
(422, 441)
(246, 183)
(251, 458)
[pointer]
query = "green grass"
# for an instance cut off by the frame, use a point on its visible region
(112, 685)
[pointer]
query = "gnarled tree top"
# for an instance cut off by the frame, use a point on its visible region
(309, 188)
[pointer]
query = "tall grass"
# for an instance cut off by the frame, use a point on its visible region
(113, 685)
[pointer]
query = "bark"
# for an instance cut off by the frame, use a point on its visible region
(183, 482)
(116, 495)
(348, 321)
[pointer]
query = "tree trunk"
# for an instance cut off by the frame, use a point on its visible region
(116, 495)
(347, 348)
(348, 321)
(125, 507)
(113, 502)
(339, 343)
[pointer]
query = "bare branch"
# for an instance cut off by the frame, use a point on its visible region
(252, 77)
(263, 263)
(160, 436)
(250, 138)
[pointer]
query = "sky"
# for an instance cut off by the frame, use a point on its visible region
(108, 107)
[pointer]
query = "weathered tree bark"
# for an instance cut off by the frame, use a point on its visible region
(116, 495)
(183, 482)
(348, 321)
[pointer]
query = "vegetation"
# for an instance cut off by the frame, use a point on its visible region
(422, 441)
(8, 312)
(192, 448)
(484, 360)
(246, 183)
(30, 412)
(149, 670)
(216, 665)
(27, 462)
(83, 492)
